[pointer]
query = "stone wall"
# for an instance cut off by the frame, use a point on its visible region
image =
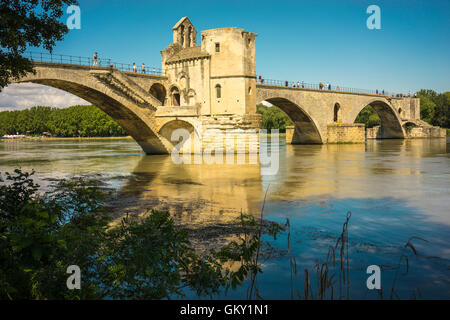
(346, 133)
(237, 133)
(425, 132)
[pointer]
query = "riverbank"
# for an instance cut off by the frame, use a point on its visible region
(64, 138)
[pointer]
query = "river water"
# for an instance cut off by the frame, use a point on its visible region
(395, 189)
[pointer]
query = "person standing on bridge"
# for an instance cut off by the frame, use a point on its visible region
(143, 68)
(303, 84)
(134, 67)
(95, 59)
(321, 85)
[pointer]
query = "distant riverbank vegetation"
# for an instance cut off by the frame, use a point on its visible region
(273, 118)
(434, 107)
(75, 121)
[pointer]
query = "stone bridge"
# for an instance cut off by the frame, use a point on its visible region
(315, 113)
(212, 89)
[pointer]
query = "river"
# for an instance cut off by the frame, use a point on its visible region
(395, 189)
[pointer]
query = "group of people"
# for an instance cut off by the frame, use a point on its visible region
(402, 95)
(327, 86)
(142, 67)
(298, 85)
(95, 63)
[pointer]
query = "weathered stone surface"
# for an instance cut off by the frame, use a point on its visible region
(346, 133)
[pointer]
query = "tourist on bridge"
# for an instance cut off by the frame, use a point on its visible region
(143, 68)
(377, 92)
(286, 83)
(298, 84)
(95, 59)
(134, 67)
(320, 85)
(303, 84)
(328, 86)
(382, 92)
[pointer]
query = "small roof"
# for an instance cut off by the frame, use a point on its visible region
(180, 22)
(187, 54)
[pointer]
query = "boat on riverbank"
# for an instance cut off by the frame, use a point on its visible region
(14, 136)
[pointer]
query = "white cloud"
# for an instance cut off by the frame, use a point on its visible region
(19, 96)
(267, 104)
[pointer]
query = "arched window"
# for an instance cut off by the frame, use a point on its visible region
(399, 110)
(218, 91)
(188, 38)
(336, 112)
(159, 92)
(182, 36)
(175, 93)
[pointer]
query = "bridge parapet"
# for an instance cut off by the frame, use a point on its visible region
(86, 61)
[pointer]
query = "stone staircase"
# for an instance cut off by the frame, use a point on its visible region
(121, 84)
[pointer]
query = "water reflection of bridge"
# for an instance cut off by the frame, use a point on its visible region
(202, 194)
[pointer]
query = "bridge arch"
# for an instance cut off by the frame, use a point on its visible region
(391, 124)
(179, 128)
(130, 112)
(159, 92)
(306, 129)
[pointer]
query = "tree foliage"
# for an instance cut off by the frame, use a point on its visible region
(141, 257)
(273, 118)
(83, 121)
(27, 23)
(434, 107)
(369, 117)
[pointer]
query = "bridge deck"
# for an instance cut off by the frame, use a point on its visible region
(271, 86)
(77, 66)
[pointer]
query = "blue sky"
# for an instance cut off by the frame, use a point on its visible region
(297, 40)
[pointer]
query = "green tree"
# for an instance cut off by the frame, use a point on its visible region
(273, 118)
(85, 121)
(441, 115)
(434, 107)
(369, 117)
(25, 23)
